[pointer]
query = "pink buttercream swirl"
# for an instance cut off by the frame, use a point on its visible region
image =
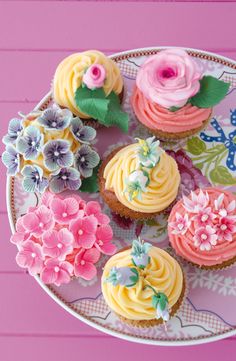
(169, 78)
(211, 237)
(94, 76)
(154, 116)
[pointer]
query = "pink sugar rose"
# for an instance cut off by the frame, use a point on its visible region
(169, 78)
(84, 230)
(31, 257)
(56, 272)
(226, 228)
(94, 76)
(84, 263)
(94, 208)
(181, 224)
(65, 209)
(205, 238)
(58, 244)
(103, 243)
(39, 221)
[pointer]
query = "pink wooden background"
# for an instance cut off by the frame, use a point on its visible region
(34, 37)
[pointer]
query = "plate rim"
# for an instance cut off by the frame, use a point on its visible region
(119, 56)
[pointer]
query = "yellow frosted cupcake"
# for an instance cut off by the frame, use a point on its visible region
(140, 180)
(91, 86)
(143, 285)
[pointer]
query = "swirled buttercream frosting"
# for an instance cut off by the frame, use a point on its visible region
(144, 187)
(202, 227)
(69, 74)
(156, 117)
(162, 273)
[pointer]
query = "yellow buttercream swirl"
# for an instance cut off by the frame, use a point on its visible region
(162, 189)
(163, 273)
(69, 74)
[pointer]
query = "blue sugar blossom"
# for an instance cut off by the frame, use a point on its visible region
(30, 143)
(33, 179)
(82, 133)
(11, 159)
(65, 178)
(14, 131)
(124, 276)
(55, 118)
(85, 160)
(57, 154)
(139, 253)
(160, 303)
(136, 184)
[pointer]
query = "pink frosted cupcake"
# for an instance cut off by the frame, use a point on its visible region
(202, 228)
(172, 98)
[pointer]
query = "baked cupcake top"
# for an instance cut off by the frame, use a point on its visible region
(202, 227)
(89, 84)
(172, 94)
(143, 177)
(142, 283)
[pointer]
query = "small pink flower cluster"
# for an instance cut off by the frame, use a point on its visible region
(209, 225)
(62, 238)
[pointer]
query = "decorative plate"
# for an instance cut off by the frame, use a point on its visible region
(208, 312)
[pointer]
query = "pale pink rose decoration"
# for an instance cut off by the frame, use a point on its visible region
(62, 238)
(94, 77)
(181, 224)
(169, 78)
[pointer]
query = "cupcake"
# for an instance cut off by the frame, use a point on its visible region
(91, 86)
(50, 149)
(172, 97)
(139, 180)
(143, 285)
(202, 228)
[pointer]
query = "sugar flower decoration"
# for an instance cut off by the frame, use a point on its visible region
(136, 184)
(124, 276)
(226, 228)
(14, 131)
(94, 77)
(85, 160)
(196, 202)
(149, 152)
(160, 303)
(82, 133)
(181, 224)
(11, 160)
(222, 210)
(55, 118)
(33, 180)
(30, 143)
(46, 149)
(65, 178)
(61, 238)
(139, 253)
(205, 238)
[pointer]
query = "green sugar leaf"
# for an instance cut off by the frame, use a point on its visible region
(155, 301)
(115, 116)
(92, 102)
(173, 109)
(221, 175)
(212, 91)
(196, 146)
(90, 184)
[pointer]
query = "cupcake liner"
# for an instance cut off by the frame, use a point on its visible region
(114, 204)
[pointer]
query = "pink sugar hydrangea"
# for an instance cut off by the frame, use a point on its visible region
(21, 234)
(205, 238)
(46, 198)
(31, 257)
(65, 209)
(103, 243)
(226, 228)
(84, 263)
(196, 202)
(39, 221)
(181, 224)
(84, 230)
(94, 208)
(56, 272)
(58, 244)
